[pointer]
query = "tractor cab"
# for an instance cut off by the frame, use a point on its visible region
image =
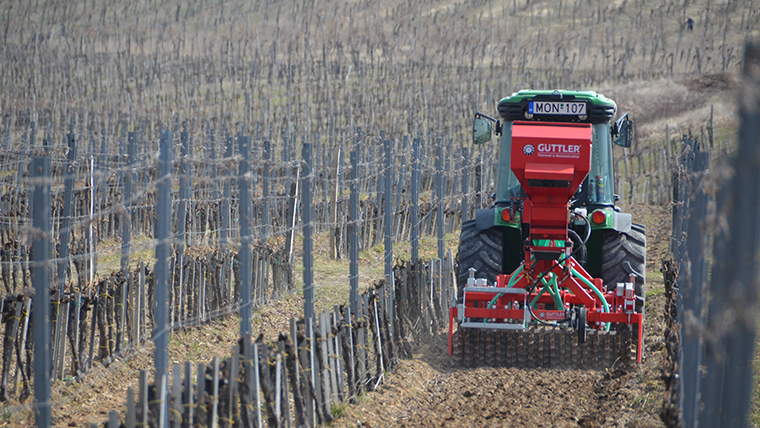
(560, 106)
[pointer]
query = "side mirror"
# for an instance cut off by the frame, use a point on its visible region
(623, 131)
(481, 130)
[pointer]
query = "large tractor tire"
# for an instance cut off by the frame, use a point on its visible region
(622, 255)
(479, 249)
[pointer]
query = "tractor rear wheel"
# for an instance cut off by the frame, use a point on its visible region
(624, 254)
(481, 250)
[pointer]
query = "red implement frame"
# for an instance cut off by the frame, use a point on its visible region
(550, 160)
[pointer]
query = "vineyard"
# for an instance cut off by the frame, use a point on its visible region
(314, 155)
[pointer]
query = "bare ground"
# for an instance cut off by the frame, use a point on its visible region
(429, 391)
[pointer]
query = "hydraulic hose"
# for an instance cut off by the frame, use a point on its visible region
(513, 278)
(552, 287)
(588, 226)
(557, 301)
(542, 322)
(512, 281)
(596, 291)
(581, 251)
(541, 293)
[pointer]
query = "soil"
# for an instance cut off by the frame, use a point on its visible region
(429, 391)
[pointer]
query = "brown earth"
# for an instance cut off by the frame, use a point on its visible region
(430, 391)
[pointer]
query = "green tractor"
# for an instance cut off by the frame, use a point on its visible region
(605, 241)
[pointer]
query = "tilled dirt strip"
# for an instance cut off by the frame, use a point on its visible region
(429, 392)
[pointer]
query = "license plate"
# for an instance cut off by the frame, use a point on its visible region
(556, 107)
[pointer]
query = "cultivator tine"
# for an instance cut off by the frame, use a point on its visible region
(507, 349)
(626, 354)
(531, 339)
(537, 359)
(593, 349)
(575, 352)
(471, 347)
(521, 348)
(457, 343)
(491, 356)
(553, 349)
(609, 340)
(500, 345)
(559, 343)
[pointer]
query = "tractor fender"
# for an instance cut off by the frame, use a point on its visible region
(484, 218)
(621, 222)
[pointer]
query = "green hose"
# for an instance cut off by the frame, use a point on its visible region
(553, 290)
(510, 284)
(513, 278)
(535, 299)
(553, 286)
(596, 291)
(491, 303)
(557, 300)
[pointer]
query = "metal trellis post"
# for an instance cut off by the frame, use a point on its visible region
(308, 227)
(244, 185)
(163, 250)
(41, 281)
